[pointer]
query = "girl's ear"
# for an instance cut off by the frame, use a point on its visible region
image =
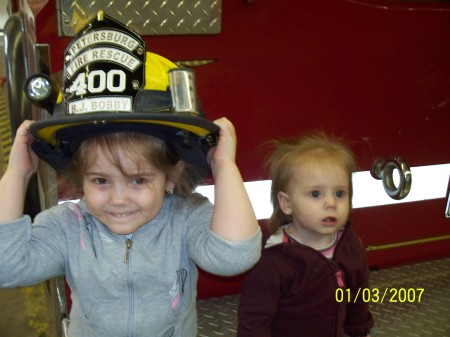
(283, 201)
(174, 176)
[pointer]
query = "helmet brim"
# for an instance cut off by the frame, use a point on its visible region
(52, 130)
(189, 137)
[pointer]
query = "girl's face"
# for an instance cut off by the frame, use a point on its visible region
(318, 201)
(123, 202)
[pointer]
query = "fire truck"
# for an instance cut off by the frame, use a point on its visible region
(376, 72)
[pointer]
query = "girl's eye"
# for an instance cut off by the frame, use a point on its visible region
(100, 181)
(315, 194)
(138, 181)
(340, 194)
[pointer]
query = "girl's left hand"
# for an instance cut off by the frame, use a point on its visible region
(225, 150)
(233, 217)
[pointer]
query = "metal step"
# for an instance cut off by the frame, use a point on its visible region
(24, 312)
(401, 313)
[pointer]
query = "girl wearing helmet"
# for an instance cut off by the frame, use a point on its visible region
(130, 248)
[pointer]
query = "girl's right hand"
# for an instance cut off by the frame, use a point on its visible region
(22, 160)
(22, 163)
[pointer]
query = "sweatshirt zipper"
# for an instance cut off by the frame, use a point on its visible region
(339, 274)
(127, 261)
(128, 243)
(340, 277)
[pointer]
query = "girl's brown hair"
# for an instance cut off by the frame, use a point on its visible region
(143, 148)
(317, 148)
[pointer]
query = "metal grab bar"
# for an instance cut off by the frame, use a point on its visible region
(407, 243)
(447, 208)
(17, 70)
(383, 170)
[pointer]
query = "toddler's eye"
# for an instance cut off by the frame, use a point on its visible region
(315, 194)
(340, 194)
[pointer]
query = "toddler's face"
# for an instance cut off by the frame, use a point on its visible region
(122, 202)
(318, 200)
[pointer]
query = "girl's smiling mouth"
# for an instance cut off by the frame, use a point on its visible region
(121, 215)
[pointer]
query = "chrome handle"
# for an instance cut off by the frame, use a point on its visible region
(447, 208)
(383, 170)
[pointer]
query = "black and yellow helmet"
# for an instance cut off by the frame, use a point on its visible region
(110, 84)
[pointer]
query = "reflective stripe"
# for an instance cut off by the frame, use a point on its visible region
(428, 182)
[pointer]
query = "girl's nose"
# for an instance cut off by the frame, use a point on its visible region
(330, 202)
(118, 195)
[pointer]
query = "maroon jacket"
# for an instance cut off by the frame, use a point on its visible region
(291, 292)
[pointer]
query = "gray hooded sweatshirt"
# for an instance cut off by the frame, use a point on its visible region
(143, 287)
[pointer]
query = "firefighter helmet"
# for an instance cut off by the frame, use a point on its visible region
(110, 84)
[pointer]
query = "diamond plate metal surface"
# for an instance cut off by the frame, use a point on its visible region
(428, 318)
(147, 17)
(217, 316)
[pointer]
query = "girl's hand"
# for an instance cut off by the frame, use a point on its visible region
(22, 160)
(225, 150)
(22, 163)
(233, 216)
